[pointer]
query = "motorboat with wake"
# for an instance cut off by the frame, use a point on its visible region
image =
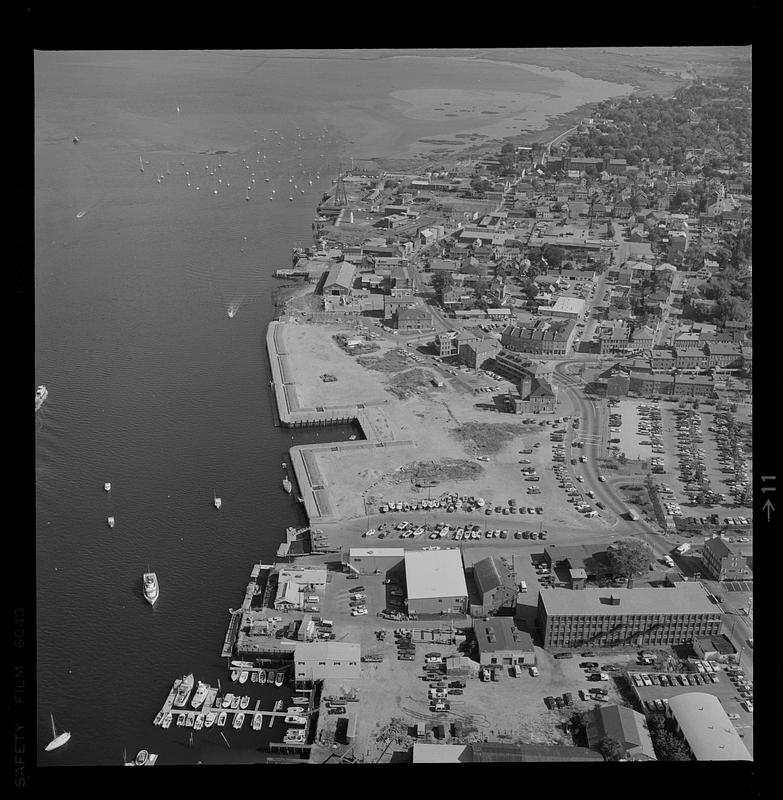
(217, 501)
(110, 521)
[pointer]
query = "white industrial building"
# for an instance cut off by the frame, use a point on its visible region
(435, 582)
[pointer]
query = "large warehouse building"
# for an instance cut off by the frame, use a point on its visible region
(607, 618)
(706, 729)
(435, 582)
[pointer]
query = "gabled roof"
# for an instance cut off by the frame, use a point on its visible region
(622, 724)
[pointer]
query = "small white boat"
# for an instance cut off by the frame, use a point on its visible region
(190, 719)
(209, 720)
(57, 741)
(243, 676)
(218, 502)
(110, 521)
(227, 700)
(221, 720)
(254, 677)
(41, 393)
(234, 674)
(141, 758)
(199, 723)
(279, 679)
(258, 720)
(295, 710)
(166, 721)
(180, 720)
(245, 701)
(295, 719)
(235, 702)
(262, 676)
(151, 588)
(239, 720)
(158, 718)
(107, 486)
(287, 485)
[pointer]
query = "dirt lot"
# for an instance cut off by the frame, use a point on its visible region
(511, 708)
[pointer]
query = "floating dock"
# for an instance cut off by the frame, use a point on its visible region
(209, 706)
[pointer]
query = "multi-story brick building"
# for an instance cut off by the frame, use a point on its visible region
(551, 338)
(495, 586)
(626, 617)
(723, 563)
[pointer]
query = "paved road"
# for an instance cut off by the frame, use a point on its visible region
(592, 430)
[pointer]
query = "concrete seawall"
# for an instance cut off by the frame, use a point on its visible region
(313, 485)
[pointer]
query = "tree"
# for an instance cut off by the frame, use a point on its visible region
(441, 281)
(554, 255)
(629, 557)
(611, 749)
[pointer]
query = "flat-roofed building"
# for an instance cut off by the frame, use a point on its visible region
(316, 661)
(365, 560)
(566, 307)
(501, 643)
(628, 617)
(706, 728)
(435, 581)
(294, 586)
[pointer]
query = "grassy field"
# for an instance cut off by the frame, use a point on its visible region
(487, 438)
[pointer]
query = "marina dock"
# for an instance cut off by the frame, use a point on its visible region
(209, 706)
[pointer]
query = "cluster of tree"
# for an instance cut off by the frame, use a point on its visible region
(668, 746)
(629, 557)
(654, 127)
(611, 749)
(441, 282)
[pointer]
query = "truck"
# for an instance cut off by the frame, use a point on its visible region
(632, 515)
(522, 586)
(683, 548)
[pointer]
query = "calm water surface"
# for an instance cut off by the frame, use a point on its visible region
(151, 385)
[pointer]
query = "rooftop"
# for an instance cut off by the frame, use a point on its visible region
(622, 724)
(686, 598)
(500, 634)
(435, 573)
(707, 729)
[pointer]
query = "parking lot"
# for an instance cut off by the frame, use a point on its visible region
(697, 452)
(727, 690)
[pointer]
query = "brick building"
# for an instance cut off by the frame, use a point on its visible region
(626, 617)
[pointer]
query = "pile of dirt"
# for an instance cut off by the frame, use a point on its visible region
(425, 473)
(362, 348)
(487, 438)
(409, 383)
(392, 361)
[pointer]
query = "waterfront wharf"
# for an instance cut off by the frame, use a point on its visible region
(231, 634)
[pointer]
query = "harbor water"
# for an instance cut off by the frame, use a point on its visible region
(152, 386)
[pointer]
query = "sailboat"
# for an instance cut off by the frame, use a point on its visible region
(287, 484)
(141, 164)
(57, 741)
(218, 502)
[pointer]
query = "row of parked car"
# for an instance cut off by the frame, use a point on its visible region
(641, 679)
(743, 685)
